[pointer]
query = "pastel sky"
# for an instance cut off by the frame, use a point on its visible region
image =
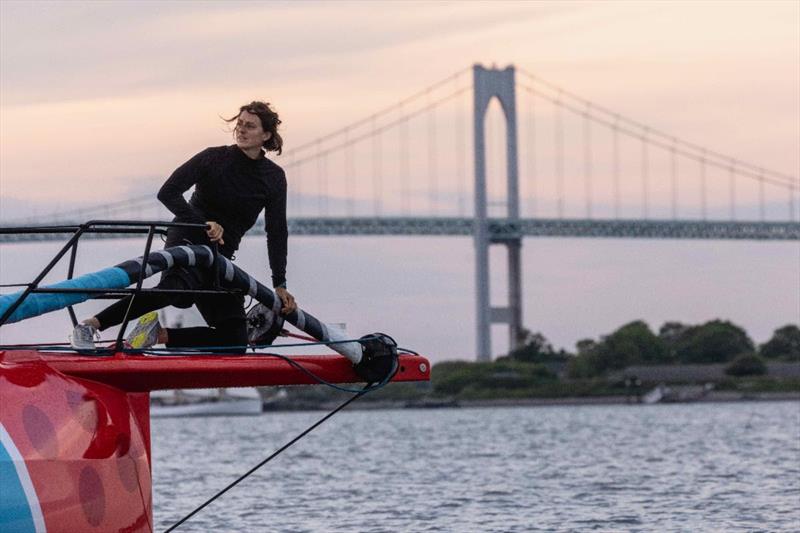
(96, 94)
(102, 100)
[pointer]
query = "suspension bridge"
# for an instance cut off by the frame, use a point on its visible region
(499, 155)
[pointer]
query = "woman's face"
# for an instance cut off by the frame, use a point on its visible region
(249, 132)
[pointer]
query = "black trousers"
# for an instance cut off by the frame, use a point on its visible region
(223, 312)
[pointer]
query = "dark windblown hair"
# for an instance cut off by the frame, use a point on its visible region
(269, 122)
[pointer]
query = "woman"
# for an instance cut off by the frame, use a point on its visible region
(233, 184)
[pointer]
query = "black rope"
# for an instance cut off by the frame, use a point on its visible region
(183, 351)
(367, 388)
(268, 459)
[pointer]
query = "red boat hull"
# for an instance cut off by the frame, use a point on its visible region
(79, 427)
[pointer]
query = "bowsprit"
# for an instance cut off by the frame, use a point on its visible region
(81, 418)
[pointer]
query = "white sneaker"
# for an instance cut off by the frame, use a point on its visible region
(145, 333)
(83, 337)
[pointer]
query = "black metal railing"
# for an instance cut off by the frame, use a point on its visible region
(148, 228)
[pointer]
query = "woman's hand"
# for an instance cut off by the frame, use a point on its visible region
(215, 232)
(289, 305)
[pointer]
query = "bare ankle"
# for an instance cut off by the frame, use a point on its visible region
(92, 322)
(163, 336)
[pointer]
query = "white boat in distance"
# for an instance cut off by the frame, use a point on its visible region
(205, 402)
(200, 402)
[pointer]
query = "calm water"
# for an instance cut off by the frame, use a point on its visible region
(709, 467)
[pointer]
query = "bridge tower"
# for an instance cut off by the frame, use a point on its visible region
(488, 84)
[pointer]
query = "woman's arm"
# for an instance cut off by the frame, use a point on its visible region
(186, 175)
(277, 231)
(277, 241)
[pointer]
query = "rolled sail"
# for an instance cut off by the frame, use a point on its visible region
(127, 273)
(37, 303)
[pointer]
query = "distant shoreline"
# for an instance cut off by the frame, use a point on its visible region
(713, 396)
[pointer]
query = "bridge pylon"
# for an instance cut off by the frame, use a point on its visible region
(500, 84)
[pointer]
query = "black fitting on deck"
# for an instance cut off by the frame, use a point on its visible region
(263, 325)
(379, 359)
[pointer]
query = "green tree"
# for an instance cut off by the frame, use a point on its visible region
(633, 343)
(585, 346)
(534, 348)
(582, 365)
(716, 341)
(672, 334)
(451, 377)
(747, 364)
(457, 378)
(784, 344)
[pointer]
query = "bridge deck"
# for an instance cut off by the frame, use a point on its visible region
(503, 229)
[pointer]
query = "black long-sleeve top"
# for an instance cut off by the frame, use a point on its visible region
(230, 189)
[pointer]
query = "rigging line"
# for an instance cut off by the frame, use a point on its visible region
(285, 333)
(322, 168)
(321, 194)
(187, 351)
(559, 140)
(119, 205)
(349, 176)
(615, 163)
(111, 205)
(377, 189)
(673, 169)
(636, 135)
(382, 112)
(369, 387)
(433, 200)
(531, 154)
(291, 197)
(732, 176)
(299, 203)
(665, 145)
(383, 128)
(203, 349)
(587, 162)
(460, 110)
(652, 130)
(319, 153)
(761, 208)
(402, 131)
(645, 179)
(703, 188)
(268, 459)
(156, 352)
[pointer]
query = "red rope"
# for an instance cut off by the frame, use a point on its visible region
(285, 333)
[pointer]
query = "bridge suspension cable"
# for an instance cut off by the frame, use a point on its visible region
(460, 151)
(587, 163)
(84, 213)
(648, 137)
(385, 111)
(666, 137)
(330, 172)
(758, 175)
(378, 130)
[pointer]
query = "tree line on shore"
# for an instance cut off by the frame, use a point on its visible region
(716, 341)
(536, 370)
